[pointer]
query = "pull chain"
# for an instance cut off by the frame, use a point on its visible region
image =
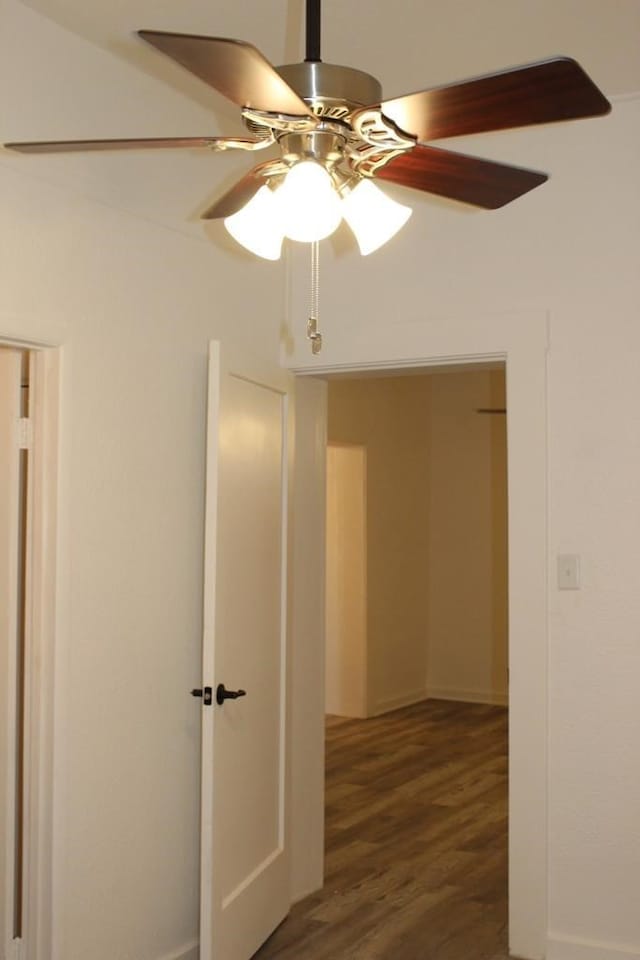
(312, 324)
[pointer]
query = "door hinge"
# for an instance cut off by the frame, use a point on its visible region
(25, 433)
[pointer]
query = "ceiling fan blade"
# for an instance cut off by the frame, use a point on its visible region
(235, 69)
(456, 176)
(153, 143)
(242, 191)
(542, 92)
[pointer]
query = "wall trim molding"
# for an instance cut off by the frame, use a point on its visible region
(42, 628)
(395, 703)
(438, 693)
(468, 696)
(569, 948)
(190, 951)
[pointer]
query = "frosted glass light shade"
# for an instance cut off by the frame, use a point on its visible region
(373, 216)
(310, 208)
(257, 225)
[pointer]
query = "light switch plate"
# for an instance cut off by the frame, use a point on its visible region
(568, 571)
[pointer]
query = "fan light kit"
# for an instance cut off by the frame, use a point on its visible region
(334, 135)
(308, 207)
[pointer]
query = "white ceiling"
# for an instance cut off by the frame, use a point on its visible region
(408, 44)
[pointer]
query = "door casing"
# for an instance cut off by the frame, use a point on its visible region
(520, 340)
(42, 624)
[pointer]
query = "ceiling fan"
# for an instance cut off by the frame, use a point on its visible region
(335, 135)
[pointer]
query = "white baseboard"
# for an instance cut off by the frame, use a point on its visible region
(190, 951)
(468, 696)
(385, 706)
(439, 693)
(567, 948)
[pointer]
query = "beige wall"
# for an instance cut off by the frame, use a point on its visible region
(467, 630)
(346, 665)
(307, 691)
(435, 577)
(390, 419)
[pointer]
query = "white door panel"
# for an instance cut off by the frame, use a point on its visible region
(245, 882)
(10, 368)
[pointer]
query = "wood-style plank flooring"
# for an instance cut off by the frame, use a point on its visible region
(416, 841)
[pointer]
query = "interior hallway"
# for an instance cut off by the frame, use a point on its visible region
(416, 840)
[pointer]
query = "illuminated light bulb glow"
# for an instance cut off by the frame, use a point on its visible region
(373, 216)
(257, 226)
(309, 207)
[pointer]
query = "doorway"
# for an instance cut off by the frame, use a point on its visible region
(416, 793)
(416, 540)
(520, 339)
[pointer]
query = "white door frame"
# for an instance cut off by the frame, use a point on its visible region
(520, 339)
(41, 627)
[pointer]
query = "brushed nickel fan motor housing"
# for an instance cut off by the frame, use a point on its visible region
(323, 145)
(333, 92)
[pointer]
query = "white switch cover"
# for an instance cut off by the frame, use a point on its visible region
(568, 571)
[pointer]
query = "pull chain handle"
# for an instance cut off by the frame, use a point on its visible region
(312, 324)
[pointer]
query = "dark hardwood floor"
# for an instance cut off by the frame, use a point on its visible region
(416, 841)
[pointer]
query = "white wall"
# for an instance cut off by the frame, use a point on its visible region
(134, 305)
(467, 568)
(569, 248)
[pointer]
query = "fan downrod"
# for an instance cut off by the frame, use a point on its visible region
(312, 54)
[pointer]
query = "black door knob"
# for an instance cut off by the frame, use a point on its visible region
(223, 694)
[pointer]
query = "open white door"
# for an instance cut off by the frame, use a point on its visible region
(10, 368)
(244, 870)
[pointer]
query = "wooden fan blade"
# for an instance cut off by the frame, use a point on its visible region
(482, 183)
(235, 69)
(543, 92)
(241, 192)
(70, 146)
